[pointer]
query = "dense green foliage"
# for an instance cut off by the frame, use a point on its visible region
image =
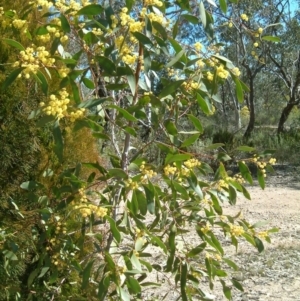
(125, 76)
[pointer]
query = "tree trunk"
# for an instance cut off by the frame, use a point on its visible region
(284, 116)
(250, 127)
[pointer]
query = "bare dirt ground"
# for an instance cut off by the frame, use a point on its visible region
(275, 273)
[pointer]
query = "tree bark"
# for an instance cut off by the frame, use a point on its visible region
(284, 116)
(250, 127)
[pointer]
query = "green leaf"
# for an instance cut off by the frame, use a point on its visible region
(261, 179)
(139, 244)
(195, 251)
(183, 277)
(132, 83)
(202, 13)
(65, 24)
(123, 294)
(170, 127)
(226, 290)
(223, 6)
(10, 255)
(86, 274)
(113, 227)
(157, 241)
(245, 148)
(239, 90)
(14, 44)
(193, 182)
(103, 287)
(160, 29)
(191, 140)
(43, 81)
(58, 142)
(230, 263)
(176, 158)
(217, 243)
(271, 38)
(214, 146)
(196, 122)
(30, 185)
(129, 4)
(91, 10)
(246, 193)
(135, 262)
(142, 201)
(106, 64)
(11, 78)
(88, 83)
(43, 271)
(93, 102)
(204, 104)
(259, 244)
(170, 88)
(237, 285)
(175, 59)
(116, 87)
(125, 114)
(133, 285)
(117, 173)
(190, 18)
(32, 276)
(76, 92)
(142, 38)
(245, 172)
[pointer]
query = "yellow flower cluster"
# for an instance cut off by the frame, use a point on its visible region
(236, 230)
(114, 21)
(255, 44)
(190, 86)
(244, 17)
(205, 229)
(32, 59)
(262, 234)
(200, 63)
(57, 106)
(85, 208)
(260, 30)
(157, 18)
(239, 178)
(61, 228)
(125, 51)
(170, 170)
(245, 111)
(63, 72)
(19, 24)
(272, 161)
(206, 201)
(148, 173)
(43, 3)
(191, 163)
(221, 184)
(198, 46)
(153, 2)
(209, 76)
(77, 114)
(221, 72)
(131, 184)
(236, 71)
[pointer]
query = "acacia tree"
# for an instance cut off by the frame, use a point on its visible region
(94, 233)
